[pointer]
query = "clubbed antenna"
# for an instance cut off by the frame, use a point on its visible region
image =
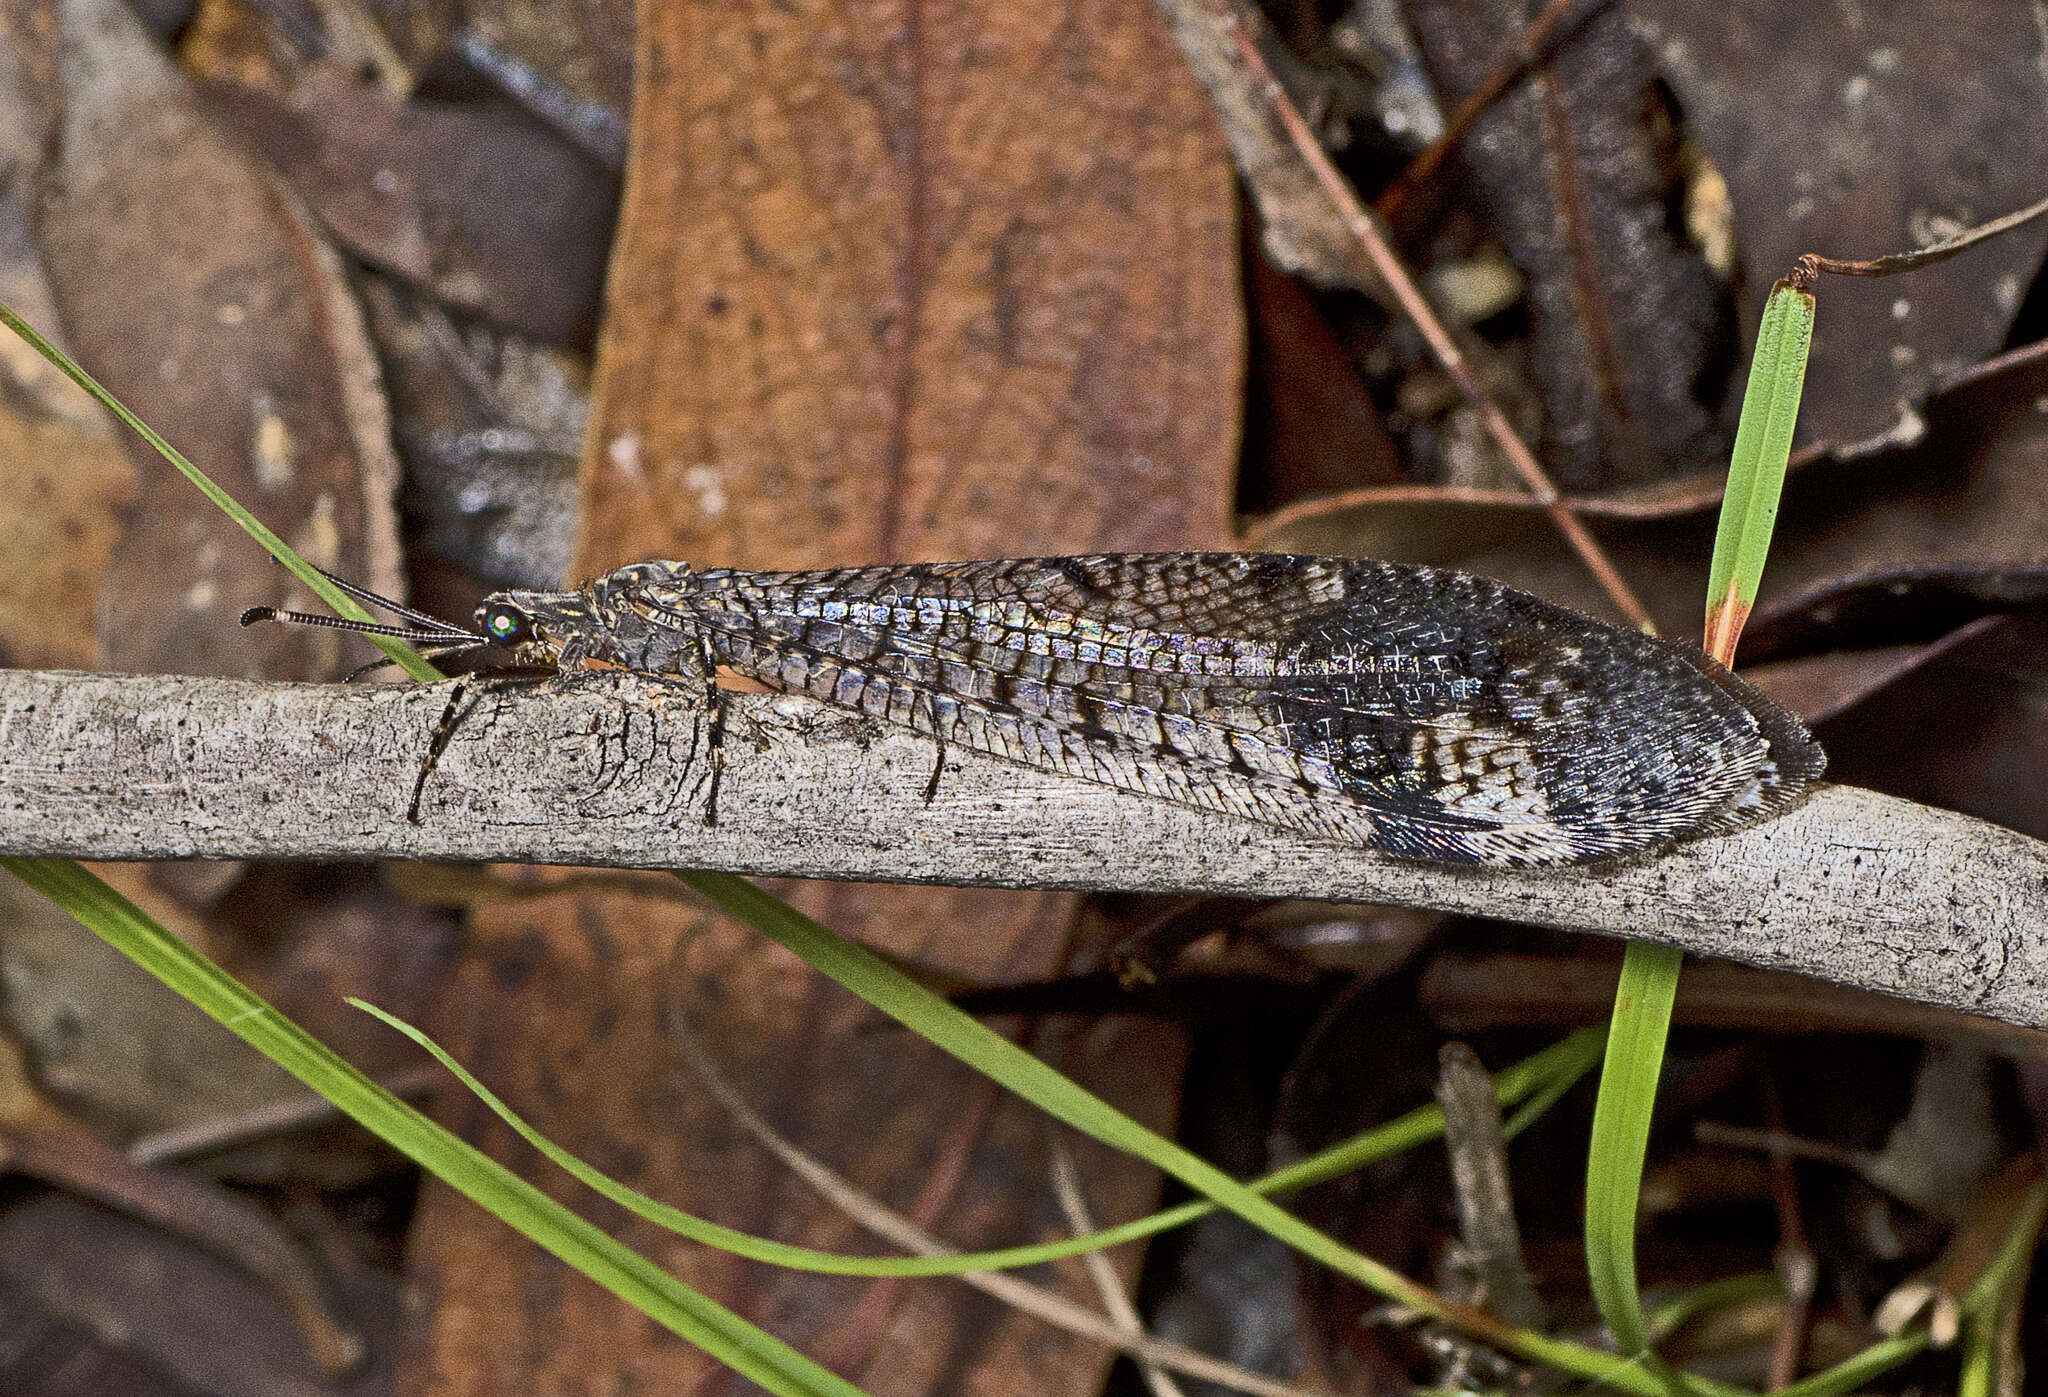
(439, 634)
(421, 629)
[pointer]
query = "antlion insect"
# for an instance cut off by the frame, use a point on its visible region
(1421, 712)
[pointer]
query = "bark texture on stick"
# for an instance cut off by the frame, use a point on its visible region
(612, 770)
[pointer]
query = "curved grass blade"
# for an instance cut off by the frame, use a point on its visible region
(695, 1317)
(1542, 1077)
(1649, 974)
(1649, 978)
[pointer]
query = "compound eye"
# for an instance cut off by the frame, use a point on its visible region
(506, 625)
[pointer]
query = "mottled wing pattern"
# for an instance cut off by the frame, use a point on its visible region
(1422, 712)
(1793, 761)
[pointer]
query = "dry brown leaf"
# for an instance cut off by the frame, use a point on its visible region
(69, 482)
(99, 1302)
(58, 522)
(1631, 341)
(1862, 147)
(477, 205)
(563, 1010)
(195, 290)
(120, 1050)
(958, 281)
(1967, 499)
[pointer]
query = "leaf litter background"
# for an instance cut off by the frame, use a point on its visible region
(901, 281)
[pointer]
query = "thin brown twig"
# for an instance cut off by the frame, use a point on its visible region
(1798, 1269)
(295, 1112)
(893, 1227)
(1387, 265)
(1073, 1201)
(1809, 267)
(1655, 501)
(1529, 51)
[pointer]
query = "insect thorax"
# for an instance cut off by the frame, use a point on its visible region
(643, 611)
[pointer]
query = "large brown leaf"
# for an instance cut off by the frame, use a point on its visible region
(901, 281)
(893, 282)
(246, 351)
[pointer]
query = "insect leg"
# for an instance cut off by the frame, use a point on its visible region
(436, 745)
(714, 700)
(931, 787)
(480, 683)
(371, 668)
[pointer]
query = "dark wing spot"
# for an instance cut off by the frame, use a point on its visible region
(1238, 765)
(1002, 693)
(1076, 572)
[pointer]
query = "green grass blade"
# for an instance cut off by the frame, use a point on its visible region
(1577, 1055)
(400, 654)
(1978, 1373)
(695, 1317)
(1545, 1074)
(2001, 1288)
(1621, 1130)
(1003, 1062)
(1854, 1373)
(1649, 978)
(1756, 472)
(1673, 1315)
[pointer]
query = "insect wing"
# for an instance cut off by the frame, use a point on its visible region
(1475, 722)
(1422, 712)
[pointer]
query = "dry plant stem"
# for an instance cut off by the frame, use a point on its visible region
(1813, 264)
(900, 1231)
(1386, 264)
(1073, 1201)
(1529, 51)
(613, 771)
(849, 1345)
(1798, 1269)
(1778, 1142)
(262, 1122)
(1465, 994)
(1479, 1174)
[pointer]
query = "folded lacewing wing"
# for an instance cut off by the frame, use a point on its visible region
(1418, 711)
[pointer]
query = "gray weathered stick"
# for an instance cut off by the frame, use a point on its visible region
(611, 770)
